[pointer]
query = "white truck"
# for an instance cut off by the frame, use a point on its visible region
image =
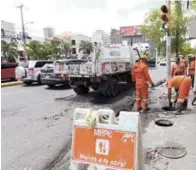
(103, 71)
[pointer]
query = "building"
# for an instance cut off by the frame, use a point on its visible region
(74, 39)
(75, 42)
(7, 31)
(192, 33)
(115, 37)
(132, 35)
(48, 32)
(101, 38)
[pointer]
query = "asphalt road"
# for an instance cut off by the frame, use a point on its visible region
(37, 122)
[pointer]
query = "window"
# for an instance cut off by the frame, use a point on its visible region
(73, 50)
(73, 42)
(42, 63)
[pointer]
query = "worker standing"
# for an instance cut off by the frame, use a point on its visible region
(183, 84)
(192, 68)
(184, 61)
(141, 76)
(178, 67)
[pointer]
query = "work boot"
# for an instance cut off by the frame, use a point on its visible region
(146, 110)
(139, 110)
(185, 104)
(179, 108)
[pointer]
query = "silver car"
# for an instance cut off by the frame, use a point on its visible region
(29, 71)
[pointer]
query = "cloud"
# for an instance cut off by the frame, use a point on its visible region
(82, 16)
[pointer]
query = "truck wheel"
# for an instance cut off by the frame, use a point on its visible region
(114, 87)
(95, 87)
(81, 90)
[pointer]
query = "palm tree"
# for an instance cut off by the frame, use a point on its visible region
(9, 50)
(86, 46)
(65, 46)
(35, 50)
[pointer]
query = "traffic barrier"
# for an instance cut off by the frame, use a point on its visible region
(106, 144)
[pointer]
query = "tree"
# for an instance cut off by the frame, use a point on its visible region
(9, 50)
(152, 28)
(86, 46)
(186, 49)
(35, 50)
(179, 28)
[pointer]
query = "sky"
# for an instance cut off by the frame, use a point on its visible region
(77, 16)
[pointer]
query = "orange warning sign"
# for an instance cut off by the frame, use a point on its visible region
(110, 148)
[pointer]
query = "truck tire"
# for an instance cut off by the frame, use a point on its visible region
(81, 90)
(95, 87)
(112, 88)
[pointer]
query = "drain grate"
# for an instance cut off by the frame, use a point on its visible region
(163, 122)
(172, 150)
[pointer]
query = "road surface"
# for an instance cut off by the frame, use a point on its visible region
(37, 123)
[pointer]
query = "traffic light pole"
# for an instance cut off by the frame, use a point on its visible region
(168, 44)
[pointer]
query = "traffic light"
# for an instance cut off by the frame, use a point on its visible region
(165, 17)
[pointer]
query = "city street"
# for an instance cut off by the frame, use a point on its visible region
(37, 122)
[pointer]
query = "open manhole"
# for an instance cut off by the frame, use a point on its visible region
(172, 150)
(163, 122)
(166, 108)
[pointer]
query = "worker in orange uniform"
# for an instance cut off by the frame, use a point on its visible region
(140, 75)
(178, 67)
(192, 68)
(184, 61)
(183, 84)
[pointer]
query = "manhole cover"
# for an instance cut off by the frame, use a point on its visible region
(163, 122)
(169, 108)
(172, 150)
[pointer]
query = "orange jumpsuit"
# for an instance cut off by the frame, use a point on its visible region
(178, 68)
(183, 84)
(141, 76)
(192, 65)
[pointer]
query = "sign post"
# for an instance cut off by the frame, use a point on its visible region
(111, 144)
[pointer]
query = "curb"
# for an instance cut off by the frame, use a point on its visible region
(11, 84)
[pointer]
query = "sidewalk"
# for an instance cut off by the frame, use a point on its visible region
(183, 132)
(15, 83)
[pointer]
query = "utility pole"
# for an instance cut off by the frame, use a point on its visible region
(23, 32)
(168, 43)
(166, 17)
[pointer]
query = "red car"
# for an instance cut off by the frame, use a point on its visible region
(8, 70)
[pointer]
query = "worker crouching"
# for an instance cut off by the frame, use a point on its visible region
(182, 84)
(140, 74)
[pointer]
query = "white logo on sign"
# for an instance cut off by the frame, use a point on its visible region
(102, 147)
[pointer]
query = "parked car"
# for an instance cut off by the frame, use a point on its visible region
(29, 71)
(163, 63)
(49, 78)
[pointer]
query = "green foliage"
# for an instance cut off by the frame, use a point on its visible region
(9, 50)
(186, 49)
(38, 51)
(86, 46)
(152, 26)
